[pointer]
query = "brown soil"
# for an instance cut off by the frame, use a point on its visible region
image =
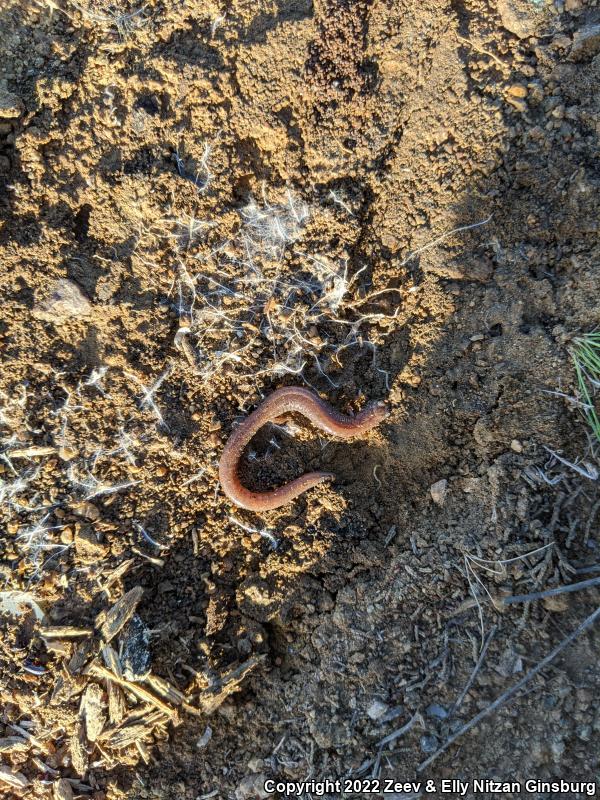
(133, 142)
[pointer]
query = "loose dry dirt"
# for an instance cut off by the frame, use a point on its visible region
(381, 200)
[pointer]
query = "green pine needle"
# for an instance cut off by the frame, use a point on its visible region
(586, 357)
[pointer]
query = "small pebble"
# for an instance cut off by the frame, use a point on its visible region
(439, 491)
(87, 510)
(67, 453)
(584, 732)
(517, 90)
(558, 603)
(429, 743)
(66, 535)
(436, 711)
(252, 786)
(517, 103)
(516, 446)
(377, 709)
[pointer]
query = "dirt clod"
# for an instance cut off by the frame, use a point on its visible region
(11, 106)
(586, 42)
(65, 300)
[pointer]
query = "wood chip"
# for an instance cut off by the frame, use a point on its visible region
(57, 690)
(32, 452)
(80, 657)
(15, 779)
(43, 767)
(146, 715)
(64, 632)
(111, 622)
(117, 574)
(66, 687)
(165, 689)
(79, 756)
(112, 661)
(92, 711)
(212, 697)
(13, 744)
(117, 705)
(129, 735)
(62, 790)
(59, 647)
(143, 751)
(137, 727)
(98, 671)
(30, 738)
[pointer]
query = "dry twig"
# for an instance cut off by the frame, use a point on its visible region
(509, 693)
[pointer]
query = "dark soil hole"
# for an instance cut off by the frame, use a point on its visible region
(81, 222)
(148, 103)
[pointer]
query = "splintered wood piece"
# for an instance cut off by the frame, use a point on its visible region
(129, 735)
(42, 766)
(79, 756)
(147, 716)
(13, 744)
(59, 647)
(143, 751)
(117, 573)
(57, 690)
(117, 705)
(92, 711)
(62, 790)
(111, 622)
(30, 738)
(32, 452)
(212, 697)
(15, 779)
(80, 656)
(111, 659)
(98, 671)
(165, 689)
(136, 727)
(66, 686)
(64, 632)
